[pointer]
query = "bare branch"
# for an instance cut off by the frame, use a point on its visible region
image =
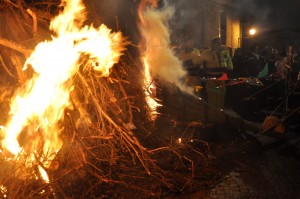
(15, 46)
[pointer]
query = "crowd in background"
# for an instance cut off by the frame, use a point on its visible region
(211, 67)
(281, 63)
(249, 61)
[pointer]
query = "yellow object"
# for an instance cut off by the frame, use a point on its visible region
(213, 60)
(198, 88)
(194, 55)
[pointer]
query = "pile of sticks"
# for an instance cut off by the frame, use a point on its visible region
(111, 147)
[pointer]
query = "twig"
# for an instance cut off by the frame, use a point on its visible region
(34, 21)
(15, 46)
(133, 143)
(5, 67)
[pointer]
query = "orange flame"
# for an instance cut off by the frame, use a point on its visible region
(37, 107)
(150, 91)
(148, 79)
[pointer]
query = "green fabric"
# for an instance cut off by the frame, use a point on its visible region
(226, 61)
(264, 72)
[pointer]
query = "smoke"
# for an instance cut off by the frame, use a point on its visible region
(127, 16)
(186, 12)
(158, 54)
(187, 20)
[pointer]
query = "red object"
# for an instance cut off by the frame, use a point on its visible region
(223, 77)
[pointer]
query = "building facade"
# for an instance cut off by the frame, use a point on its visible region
(204, 19)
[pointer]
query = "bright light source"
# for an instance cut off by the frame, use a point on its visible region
(252, 31)
(179, 140)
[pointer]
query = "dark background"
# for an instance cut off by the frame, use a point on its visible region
(272, 14)
(277, 22)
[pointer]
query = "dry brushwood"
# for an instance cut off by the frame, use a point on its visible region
(107, 150)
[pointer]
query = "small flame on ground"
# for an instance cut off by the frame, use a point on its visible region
(3, 190)
(179, 140)
(37, 107)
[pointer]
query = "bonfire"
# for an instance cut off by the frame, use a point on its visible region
(81, 115)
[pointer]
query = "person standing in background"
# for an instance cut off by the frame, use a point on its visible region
(253, 67)
(216, 62)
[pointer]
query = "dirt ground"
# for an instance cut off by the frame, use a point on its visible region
(247, 165)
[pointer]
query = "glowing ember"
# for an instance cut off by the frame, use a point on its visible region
(179, 140)
(37, 107)
(3, 190)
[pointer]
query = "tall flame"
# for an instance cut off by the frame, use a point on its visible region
(37, 107)
(158, 57)
(149, 82)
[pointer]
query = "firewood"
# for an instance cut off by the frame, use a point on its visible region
(15, 46)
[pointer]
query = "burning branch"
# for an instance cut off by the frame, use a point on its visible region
(128, 136)
(78, 127)
(15, 46)
(5, 67)
(34, 21)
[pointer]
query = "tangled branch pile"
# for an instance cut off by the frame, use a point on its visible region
(111, 147)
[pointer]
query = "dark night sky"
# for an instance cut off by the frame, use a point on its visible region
(273, 14)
